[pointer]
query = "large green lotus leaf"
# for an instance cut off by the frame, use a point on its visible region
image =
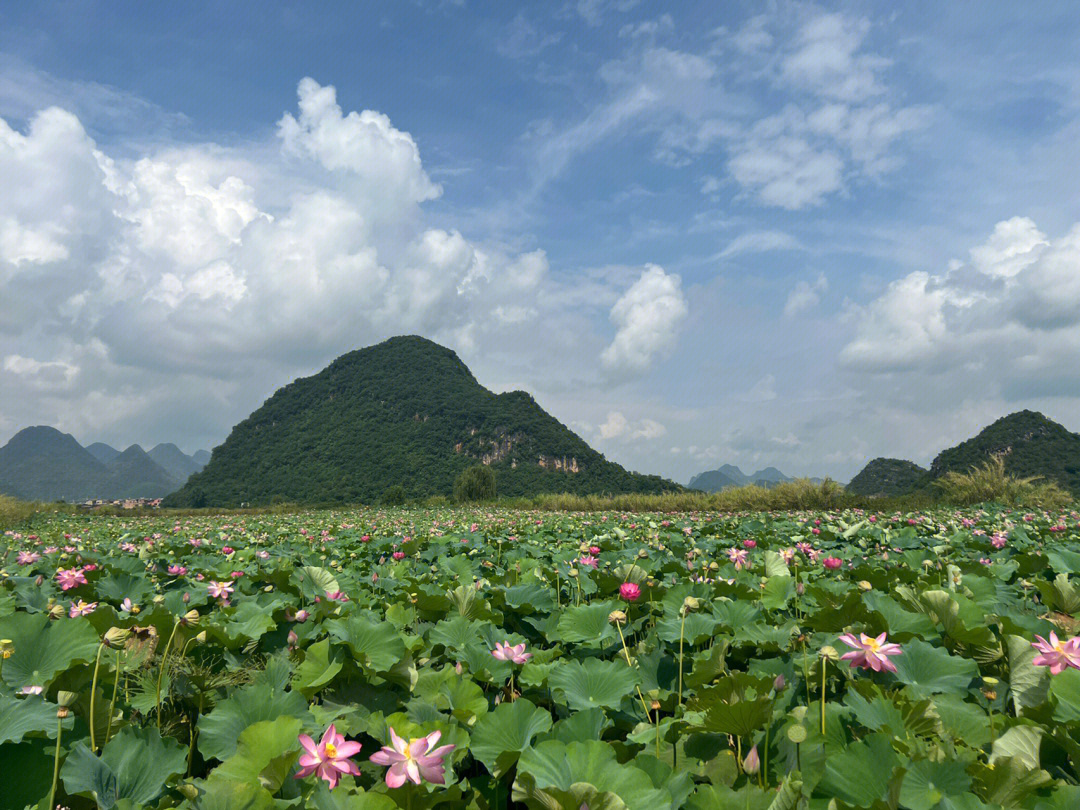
(561, 771)
(377, 644)
(927, 783)
(899, 622)
(1021, 743)
(777, 592)
(1009, 782)
(877, 713)
(117, 586)
(456, 633)
(964, 722)
(220, 729)
(265, 753)
(677, 786)
(593, 683)
(697, 628)
(736, 614)
(500, 736)
(32, 760)
(534, 597)
(19, 717)
(44, 649)
(135, 765)
(1061, 595)
(775, 565)
(319, 667)
(1063, 561)
(860, 773)
(317, 582)
(322, 798)
(588, 623)
(580, 726)
(1065, 689)
(465, 699)
(1028, 684)
(929, 670)
(722, 797)
(228, 794)
(249, 622)
(1064, 797)
(741, 718)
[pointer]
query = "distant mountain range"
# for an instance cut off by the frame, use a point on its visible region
(406, 412)
(41, 463)
(1028, 442)
(730, 476)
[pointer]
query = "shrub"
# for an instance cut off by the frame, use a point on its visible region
(476, 483)
(989, 482)
(394, 496)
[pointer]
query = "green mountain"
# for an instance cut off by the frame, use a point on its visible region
(133, 474)
(731, 476)
(887, 476)
(405, 412)
(102, 452)
(175, 461)
(1030, 444)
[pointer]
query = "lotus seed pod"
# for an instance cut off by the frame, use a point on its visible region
(190, 618)
(829, 653)
(617, 617)
(115, 637)
(65, 699)
(691, 603)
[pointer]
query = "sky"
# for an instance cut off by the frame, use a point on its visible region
(776, 233)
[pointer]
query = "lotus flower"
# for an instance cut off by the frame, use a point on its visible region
(27, 557)
(1057, 654)
(413, 760)
(330, 758)
(832, 563)
(70, 578)
(82, 608)
(505, 651)
(630, 591)
(220, 590)
(740, 557)
(870, 653)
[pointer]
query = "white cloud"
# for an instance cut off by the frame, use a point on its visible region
(760, 242)
(1015, 244)
(826, 59)
(805, 295)
(618, 426)
(646, 319)
(787, 171)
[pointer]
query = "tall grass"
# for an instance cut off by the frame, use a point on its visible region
(13, 511)
(989, 482)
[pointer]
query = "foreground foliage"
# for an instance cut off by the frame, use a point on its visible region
(489, 658)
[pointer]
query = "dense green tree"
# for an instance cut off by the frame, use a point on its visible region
(476, 483)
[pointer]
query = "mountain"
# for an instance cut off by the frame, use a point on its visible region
(1030, 444)
(175, 462)
(201, 457)
(41, 463)
(102, 452)
(887, 476)
(403, 412)
(731, 476)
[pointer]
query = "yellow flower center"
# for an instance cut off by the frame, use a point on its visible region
(331, 750)
(873, 645)
(1060, 647)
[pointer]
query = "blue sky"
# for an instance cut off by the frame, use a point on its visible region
(790, 234)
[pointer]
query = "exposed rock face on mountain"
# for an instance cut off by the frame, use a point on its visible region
(405, 412)
(887, 477)
(41, 463)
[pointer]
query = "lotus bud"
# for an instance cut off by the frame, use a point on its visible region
(115, 637)
(800, 588)
(39, 580)
(189, 792)
(572, 572)
(190, 618)
(642, 554)
(752, 763)
(779, 683)
(617, 617)
(865, 586)
(157, 600)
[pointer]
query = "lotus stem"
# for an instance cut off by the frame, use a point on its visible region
(682, 628)
(824, 667)
(93, 695)
(161, 672)
(626, 652)
(56, 761)
(112, 703)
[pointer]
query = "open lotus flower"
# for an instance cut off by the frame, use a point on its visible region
(1057, 654)
(330, 758)
(504, 651)
(414, 760)
(870, 653)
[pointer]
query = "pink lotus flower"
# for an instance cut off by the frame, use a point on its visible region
(329, 759)
(740, 557)
(336, 596)
(505, 651)
(27, 557)
(82, 608)
(998, 540)
(127, 605)
(70, 578)
(870, 653)
(1057, 654)
(177, 570)
(219, 590)
(31, 690)
(630, 591)
(414, 760)
(832, 563)
(588, 560)
(398, 555)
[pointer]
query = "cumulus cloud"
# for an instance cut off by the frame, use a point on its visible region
(826, 59)
(646, 317)
(805, 295)
(617, 426)
(177, 287)
(1015, 304)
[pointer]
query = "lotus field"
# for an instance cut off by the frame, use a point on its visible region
(494, 658)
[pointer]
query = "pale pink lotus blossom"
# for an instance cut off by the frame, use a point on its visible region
(27, 557)
(505, 651)
(31, 690)
(219, 590)
(588, 561)
(177, 570)
(740, 557)
(329, 759)
(1056, 654)
(70, 578)
(870, 653)
(413, 760)
(82, 608)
